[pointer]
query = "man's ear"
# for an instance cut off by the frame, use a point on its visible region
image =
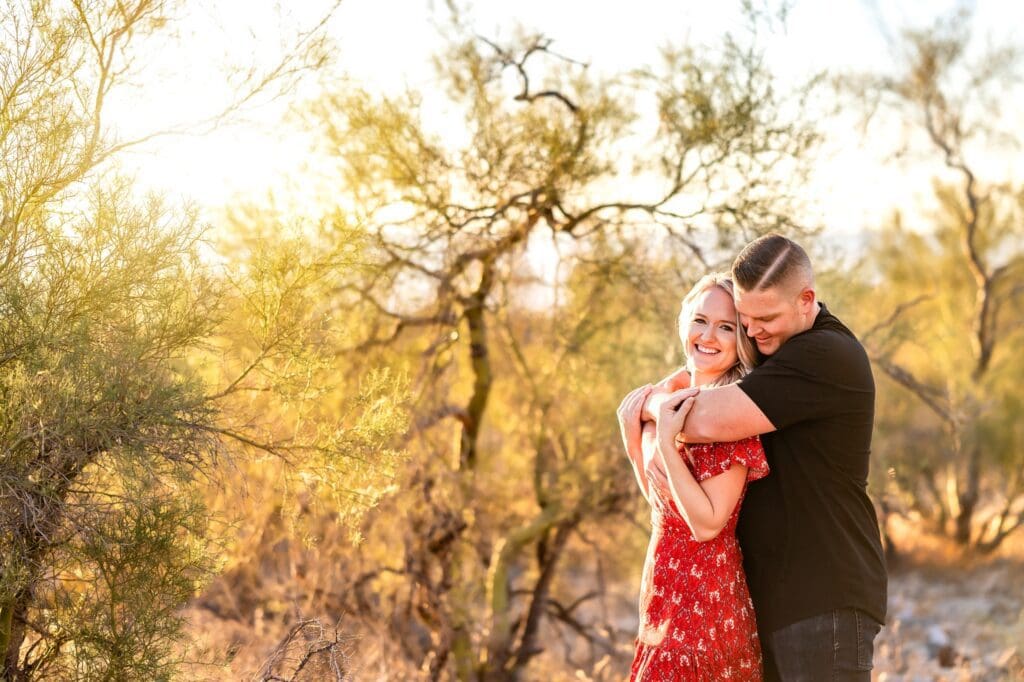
(806, 299)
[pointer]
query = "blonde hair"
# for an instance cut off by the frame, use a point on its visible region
(746, 353)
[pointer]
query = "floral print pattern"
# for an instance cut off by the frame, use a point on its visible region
(696, 618)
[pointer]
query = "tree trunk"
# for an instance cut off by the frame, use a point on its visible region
(968, 498)
(481, 363)
(6, 638)
(528, 647)
(12, 635)
(32, 541)
(500, 645)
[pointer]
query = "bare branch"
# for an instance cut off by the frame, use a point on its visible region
(934, 398)
(897, 313)
(539, 45)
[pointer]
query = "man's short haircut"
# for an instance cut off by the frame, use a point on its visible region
(769, 261)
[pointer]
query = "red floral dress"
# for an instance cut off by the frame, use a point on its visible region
(696, 617)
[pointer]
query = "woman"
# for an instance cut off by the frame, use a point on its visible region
(696, 617)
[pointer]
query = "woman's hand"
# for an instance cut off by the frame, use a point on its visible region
(672, 413)
(632, 433)
(673, 382)
(629, 420)
(707, 505)
(657, 398)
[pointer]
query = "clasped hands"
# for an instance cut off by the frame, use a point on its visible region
(667, 410)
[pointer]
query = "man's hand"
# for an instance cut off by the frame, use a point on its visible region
(656, 476)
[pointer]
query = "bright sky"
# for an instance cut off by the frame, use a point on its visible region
(387, 44)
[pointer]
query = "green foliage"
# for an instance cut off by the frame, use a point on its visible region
(947, 339)
(279, 355)
(113, 322)
(935, 411)
(137, 555)
(99, 320)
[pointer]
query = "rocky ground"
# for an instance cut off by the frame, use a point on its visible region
(954, 622)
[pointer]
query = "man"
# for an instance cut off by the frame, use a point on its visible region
(809, 535)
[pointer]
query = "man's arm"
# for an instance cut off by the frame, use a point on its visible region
(724, 413)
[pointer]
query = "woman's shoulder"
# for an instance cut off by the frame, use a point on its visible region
(726, 447)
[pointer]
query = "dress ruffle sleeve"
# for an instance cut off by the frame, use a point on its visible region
(711, 459)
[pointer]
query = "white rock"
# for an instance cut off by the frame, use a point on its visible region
(937, 637)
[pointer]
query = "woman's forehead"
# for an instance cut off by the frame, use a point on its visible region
(715, 300)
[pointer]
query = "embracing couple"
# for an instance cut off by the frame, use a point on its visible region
(776, 393)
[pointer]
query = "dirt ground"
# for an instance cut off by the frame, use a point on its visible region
(954, 623)
(950, 619)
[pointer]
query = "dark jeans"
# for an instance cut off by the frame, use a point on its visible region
(837, 645)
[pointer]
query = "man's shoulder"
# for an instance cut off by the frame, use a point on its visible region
(822, 340)
(828, 350)
(827, 333)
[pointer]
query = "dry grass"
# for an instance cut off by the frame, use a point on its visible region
(932, 581)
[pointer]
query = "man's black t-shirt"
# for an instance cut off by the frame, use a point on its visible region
(808, 531)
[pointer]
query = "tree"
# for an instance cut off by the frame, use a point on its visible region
(111, 321)
(550, 153)
(948, 340)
